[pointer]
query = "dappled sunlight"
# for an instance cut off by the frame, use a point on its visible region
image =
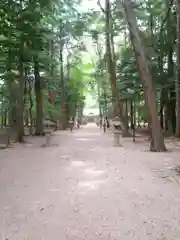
(90, 185)
(88, 172)
(78, 164)
(92, 172)
(172, 143)
(82, 139)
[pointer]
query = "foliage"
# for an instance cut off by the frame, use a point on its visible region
(66, 47)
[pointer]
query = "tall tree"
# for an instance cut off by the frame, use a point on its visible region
(178, 71)
(111, 66)
(157, 142)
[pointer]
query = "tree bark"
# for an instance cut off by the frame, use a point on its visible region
(20, 123)
(146, 78)
(39, 102)
(163, 94)
(178, 71)
(30, 107)
(117, 106)
(172, 96)
(64, 118)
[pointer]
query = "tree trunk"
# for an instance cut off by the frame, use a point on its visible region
(39, 102)
(5, 118)
(31, 128)
(131, 114)
(64, 117)
(20, 123)
(10, 80)
(161, 116)
(178, 72)
(172, 96)
(126, 110)
(163, 94)
(117, 106)
(68, 64)
(26, 115)
(13, 101)
(172, 110)
(99, 102)
(105, 102)
(2, 111)
(146, 78)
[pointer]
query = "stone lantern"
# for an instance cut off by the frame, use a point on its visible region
(116, 124)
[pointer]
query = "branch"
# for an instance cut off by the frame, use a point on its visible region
(99, 4)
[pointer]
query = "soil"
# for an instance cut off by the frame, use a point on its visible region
(84, 188)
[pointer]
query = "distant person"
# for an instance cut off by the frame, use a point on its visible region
(78, 123)
(104, 125)
(107, 123)
(71, 123)
(100, 123)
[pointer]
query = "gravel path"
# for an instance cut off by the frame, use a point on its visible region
(86, 189)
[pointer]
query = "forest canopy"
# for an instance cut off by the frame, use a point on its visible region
(124, 54)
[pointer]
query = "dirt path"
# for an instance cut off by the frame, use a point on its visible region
(91, 192)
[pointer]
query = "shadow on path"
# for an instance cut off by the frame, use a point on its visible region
(85, 189)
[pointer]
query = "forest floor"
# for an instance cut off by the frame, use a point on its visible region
(83, 188)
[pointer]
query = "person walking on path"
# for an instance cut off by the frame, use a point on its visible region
(104, 125)
(107, 123)
(100, 123)
(71, 123)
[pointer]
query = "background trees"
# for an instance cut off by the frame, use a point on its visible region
(157, 34)
(36, 82)
(54, 53)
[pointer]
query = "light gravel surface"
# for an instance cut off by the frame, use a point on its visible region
(83, 188)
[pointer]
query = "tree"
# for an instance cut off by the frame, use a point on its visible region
(30, 64)
(178, 71)
(157, 143)
(110, 59)
(111, 63)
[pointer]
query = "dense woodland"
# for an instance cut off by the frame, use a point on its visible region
(135, 71)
